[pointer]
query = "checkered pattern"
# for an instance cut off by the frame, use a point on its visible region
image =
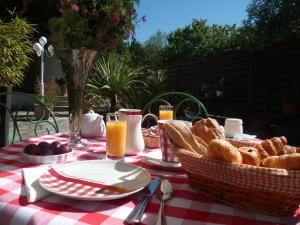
(186, 207)
(56, 181)
(166, 145)
(246, 176)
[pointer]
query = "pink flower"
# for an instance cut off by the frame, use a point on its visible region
(115, 43)
(131, 12)
(115, 18)
(74, 7)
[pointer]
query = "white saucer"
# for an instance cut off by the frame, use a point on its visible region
(245, 137)
(155, 158)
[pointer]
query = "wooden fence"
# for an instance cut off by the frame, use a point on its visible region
(253, 86)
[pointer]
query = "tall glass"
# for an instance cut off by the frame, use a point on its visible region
(115, 136)
(166, 112)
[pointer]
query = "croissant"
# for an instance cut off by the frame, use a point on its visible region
(238, 143)
(291, 149)
(275, 145)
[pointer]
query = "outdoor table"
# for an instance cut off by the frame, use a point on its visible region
(185, 207)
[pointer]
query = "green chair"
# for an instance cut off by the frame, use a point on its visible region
(24, 109)
(186, 106)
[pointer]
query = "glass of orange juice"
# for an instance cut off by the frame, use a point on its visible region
(115, 136)
(165, 112)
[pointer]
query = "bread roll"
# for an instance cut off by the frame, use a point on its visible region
(207, 130)
(250, 156)
(221, 149)
(181, 135)
(287, 161)
(199, 139)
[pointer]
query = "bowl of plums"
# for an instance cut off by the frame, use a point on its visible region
(47, 153)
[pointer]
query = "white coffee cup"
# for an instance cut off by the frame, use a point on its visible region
(233, 127)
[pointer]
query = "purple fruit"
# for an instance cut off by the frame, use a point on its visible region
(45, 149)
(55, 145)
(44, 145)
(65, 148)
(31, 149)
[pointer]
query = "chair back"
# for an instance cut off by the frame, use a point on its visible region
(186, 106)
(28, 110)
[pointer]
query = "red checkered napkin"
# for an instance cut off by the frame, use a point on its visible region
(56, 181)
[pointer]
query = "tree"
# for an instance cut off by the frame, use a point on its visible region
(158, 40)
(201, 40)
(153, 49)
(270, 21)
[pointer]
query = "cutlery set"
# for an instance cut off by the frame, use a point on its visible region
(166, 188)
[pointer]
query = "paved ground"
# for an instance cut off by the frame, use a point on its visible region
(27, 129)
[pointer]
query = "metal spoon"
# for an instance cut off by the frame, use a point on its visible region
(166, 189)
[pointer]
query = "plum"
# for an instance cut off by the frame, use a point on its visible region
(65, 148)
(45, 149)
(31, 149)
(55, 145)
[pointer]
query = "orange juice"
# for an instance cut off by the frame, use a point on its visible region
(115, 138)
(166, 115)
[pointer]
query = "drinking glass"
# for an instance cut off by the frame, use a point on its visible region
(115, 136)
(165, 112)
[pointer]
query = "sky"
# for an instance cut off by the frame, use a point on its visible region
(168, 15)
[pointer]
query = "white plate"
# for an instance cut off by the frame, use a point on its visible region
(245, 137)
(95, 180)
(155, 158)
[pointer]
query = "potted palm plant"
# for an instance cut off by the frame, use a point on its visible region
(113, 78)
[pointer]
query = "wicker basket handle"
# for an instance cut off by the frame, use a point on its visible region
(151, 116)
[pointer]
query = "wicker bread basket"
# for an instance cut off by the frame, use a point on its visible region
(151, 139)
(261, 190)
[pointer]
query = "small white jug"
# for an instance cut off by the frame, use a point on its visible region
(92, 125)
(134, 137)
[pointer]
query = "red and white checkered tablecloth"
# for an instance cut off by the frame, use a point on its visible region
(186, 207)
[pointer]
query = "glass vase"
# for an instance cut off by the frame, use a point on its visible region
(76, 65)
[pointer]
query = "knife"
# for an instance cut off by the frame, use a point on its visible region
(136, 215)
